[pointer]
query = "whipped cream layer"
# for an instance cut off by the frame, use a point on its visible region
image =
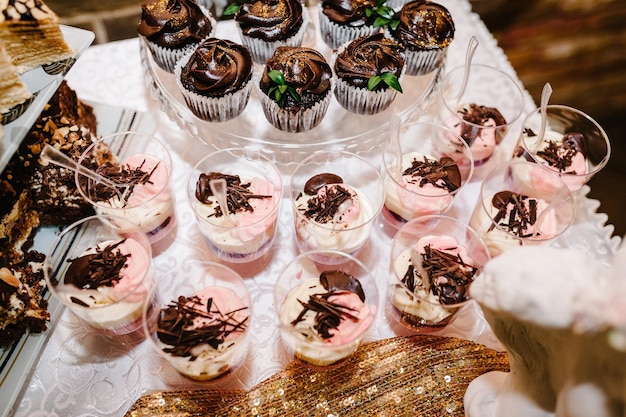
(249, 226)
(434, 274)
(203, 335)
(149, 204)
(117, 300)
(310, 335)
(427, 189)
(515, 228)
(321, 224)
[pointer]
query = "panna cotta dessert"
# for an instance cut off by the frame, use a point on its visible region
(107, 285)
(509, 219)
(332, 215)
(430, 282)
(563, 153)
(204, 336)
(142, 195)
(482, 127)
(422, 185)
(325, 316)
(245, 228)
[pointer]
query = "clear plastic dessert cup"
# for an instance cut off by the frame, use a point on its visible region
(140, 176)
(253, 190)
(573, 144)
(521, 203)
(100, 267)
(202, 321)
(424, 166)
(434, 260)
(325, 311)
(336, 197)
(484, 114)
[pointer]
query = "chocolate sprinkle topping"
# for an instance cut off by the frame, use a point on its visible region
(323, 209)
(516, 212)
(238, 195)
(176, 321)
(443, 173)
(100, 269)
(328, 314)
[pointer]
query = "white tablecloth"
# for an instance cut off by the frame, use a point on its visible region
(82, 373)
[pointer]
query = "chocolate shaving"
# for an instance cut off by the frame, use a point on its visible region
(238, 195)
(448, 276)
(176, 321)
(443, 173)
(126, 177)
(328, 314)
(561, 155)
(323, 209)
(477, 115)
(100, 269)
(516, 212)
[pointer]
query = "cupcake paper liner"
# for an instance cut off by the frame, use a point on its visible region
(335, 35)
(361, 100)
(294, 121)
(262, 50)
(421, 62)
(214, 109)
(166, 58)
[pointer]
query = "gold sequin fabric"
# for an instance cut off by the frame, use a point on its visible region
(422, 376)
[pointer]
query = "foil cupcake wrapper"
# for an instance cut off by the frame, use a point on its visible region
(166, 58)
(213, 109)
(335, 35)
(300, 120)
(421, 62)
(262, 50)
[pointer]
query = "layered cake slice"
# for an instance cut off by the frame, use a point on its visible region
(13, 92)
(30, 31)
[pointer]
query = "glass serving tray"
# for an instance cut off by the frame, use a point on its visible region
(42, 82)
(339, 128)
(16, 361)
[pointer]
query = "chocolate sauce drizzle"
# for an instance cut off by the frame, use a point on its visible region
(176, 321)
(561, 155)
(522, 213)
(448, 276)
(123, 175)
(238, 195)
(100, 269)
(328, 315)
(443, 173)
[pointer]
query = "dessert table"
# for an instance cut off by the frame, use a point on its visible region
(81, 372)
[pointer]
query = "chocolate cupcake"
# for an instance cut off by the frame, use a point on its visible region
(344, 20)
(216, 79)
(173, 28)
(368, 72)
(264, 25)
(425, 29)
(295, 88)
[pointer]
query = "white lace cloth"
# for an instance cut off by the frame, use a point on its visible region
(82, 373)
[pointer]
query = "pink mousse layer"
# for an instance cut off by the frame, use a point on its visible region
(132, 275)
(159, 179)
(349, 328)
(225, 301)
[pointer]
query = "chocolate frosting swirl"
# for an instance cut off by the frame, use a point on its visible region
(305, 69)
(217, 67)
(348, 12)
(173, 23)
(368, 56)
(424, 25)
(270, 20)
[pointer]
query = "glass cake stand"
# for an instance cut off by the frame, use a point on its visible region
(339, 128)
